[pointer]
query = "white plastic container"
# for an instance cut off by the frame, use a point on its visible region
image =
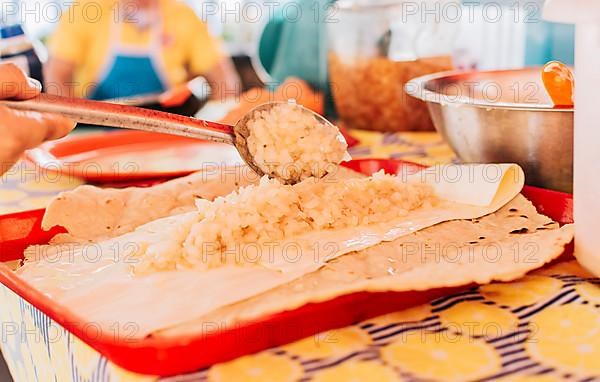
(585, 14)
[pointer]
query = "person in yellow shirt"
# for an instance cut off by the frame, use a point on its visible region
(119, 49)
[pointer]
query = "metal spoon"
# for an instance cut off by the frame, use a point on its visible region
(129, 117)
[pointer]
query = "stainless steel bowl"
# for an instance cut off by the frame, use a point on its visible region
(502, 116)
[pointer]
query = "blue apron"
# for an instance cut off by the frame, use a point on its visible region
(131, 70)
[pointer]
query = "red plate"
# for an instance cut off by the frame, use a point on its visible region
(183, 354)
(118, 156)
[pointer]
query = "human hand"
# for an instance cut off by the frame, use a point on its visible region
(175, 97)
(22, 130)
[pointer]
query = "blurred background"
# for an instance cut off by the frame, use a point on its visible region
(500, 44)
(485, 40)
(323, 49)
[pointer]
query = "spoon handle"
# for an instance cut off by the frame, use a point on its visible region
(128, 117)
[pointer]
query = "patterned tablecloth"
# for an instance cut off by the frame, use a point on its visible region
(543, 327)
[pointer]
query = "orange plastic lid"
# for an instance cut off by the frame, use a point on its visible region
(559, 83)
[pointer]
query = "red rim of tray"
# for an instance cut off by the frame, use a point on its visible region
(66, 155)
(182, 354)
(67, 152)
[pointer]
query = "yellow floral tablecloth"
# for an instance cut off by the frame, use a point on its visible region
(544, 327)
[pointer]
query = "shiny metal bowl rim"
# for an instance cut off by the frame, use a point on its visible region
(427, 95)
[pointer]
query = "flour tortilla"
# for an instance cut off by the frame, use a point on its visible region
(91, 213)
(502, 246)
(515, 226)
(485, 247)
(102, 269)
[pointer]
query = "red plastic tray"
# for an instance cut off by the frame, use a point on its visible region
(102, 157)
(183, 354)
(99, 157)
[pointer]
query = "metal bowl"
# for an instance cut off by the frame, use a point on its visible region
(502, 116)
